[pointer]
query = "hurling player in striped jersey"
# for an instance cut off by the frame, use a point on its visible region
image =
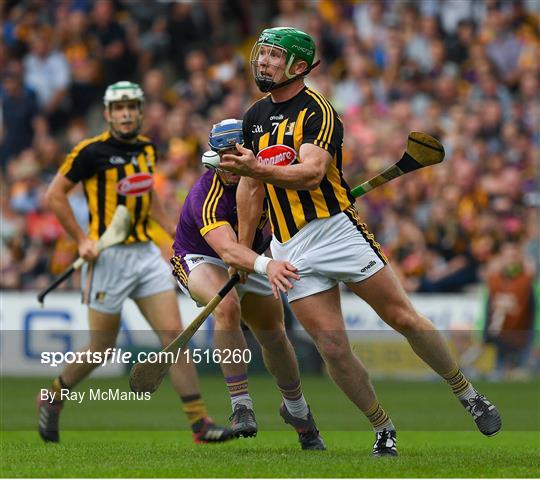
(292, 155)
(116, 168)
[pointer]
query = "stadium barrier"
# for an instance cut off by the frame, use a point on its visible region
(28, 331)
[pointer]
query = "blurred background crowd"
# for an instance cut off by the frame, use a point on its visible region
(465, 71)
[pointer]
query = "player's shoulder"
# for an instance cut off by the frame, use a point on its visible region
(207, 179)
(259, 104)
(90, 145)
(144, 140)
(145, 143)
(201, 190)
(203, 185)
(317, 101)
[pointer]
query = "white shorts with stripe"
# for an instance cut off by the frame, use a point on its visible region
(255, 283)
(132, 271)
(330, 250)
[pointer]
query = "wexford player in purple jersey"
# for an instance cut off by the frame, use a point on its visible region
(204, 246)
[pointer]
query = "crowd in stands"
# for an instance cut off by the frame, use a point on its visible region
(465, 71)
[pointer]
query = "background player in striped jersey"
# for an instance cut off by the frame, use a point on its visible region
(115, 168)
(205, 243)
(293, 140)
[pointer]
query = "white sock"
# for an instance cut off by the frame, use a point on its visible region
(468, 394)
(243, 399)
(387, 425)
(297, 408)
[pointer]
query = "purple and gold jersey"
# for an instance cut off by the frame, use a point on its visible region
(208, 205)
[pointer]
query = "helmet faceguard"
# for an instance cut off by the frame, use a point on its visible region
(124, 92)
(268, 51)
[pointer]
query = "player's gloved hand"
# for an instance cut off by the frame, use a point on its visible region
(244, 163)
(243, 274)
(280, 274)
(87, 249)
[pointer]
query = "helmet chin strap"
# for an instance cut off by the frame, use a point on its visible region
(267, 85)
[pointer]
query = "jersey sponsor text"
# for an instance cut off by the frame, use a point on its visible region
(136, 184)
(280, 155)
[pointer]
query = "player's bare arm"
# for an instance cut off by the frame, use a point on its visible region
(249, 203)
(306, 175)
(158, 213)
(249, 200)
(57, 200)
(224, 242)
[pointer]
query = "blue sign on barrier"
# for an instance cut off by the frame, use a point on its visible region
(31, 328)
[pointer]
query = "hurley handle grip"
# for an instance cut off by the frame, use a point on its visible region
(58, 280)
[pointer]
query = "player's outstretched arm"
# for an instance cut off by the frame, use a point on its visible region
(224, 242)
(249, 204)
(305, 175)
(57, 201)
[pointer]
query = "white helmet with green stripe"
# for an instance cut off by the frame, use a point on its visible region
(124, 91)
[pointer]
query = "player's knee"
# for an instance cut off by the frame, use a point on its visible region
(227, 314)
(101, 342)
(274, 340)
(406, 320)
(334, 348)
(167, 335)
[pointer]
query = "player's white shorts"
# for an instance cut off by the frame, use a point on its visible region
(330, 250)
(136, 270)
(183, 266)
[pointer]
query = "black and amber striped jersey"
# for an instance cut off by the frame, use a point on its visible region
(114, 173)
(275, 132)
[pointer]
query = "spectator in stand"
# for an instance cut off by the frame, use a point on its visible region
(349, 93)
(23, 174)
(388, 67)
(109, 40)
(460, 43)
(510, 311)
(227, 64)
(47, 73)
(187, 27)
(156, 89)
(418, 48)
(148, 26)
(12, 229)
(291, 13)
(183, 143)
(76, 44)
(19, 111)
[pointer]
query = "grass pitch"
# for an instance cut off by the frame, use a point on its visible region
(271, 454)
(436, 437)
